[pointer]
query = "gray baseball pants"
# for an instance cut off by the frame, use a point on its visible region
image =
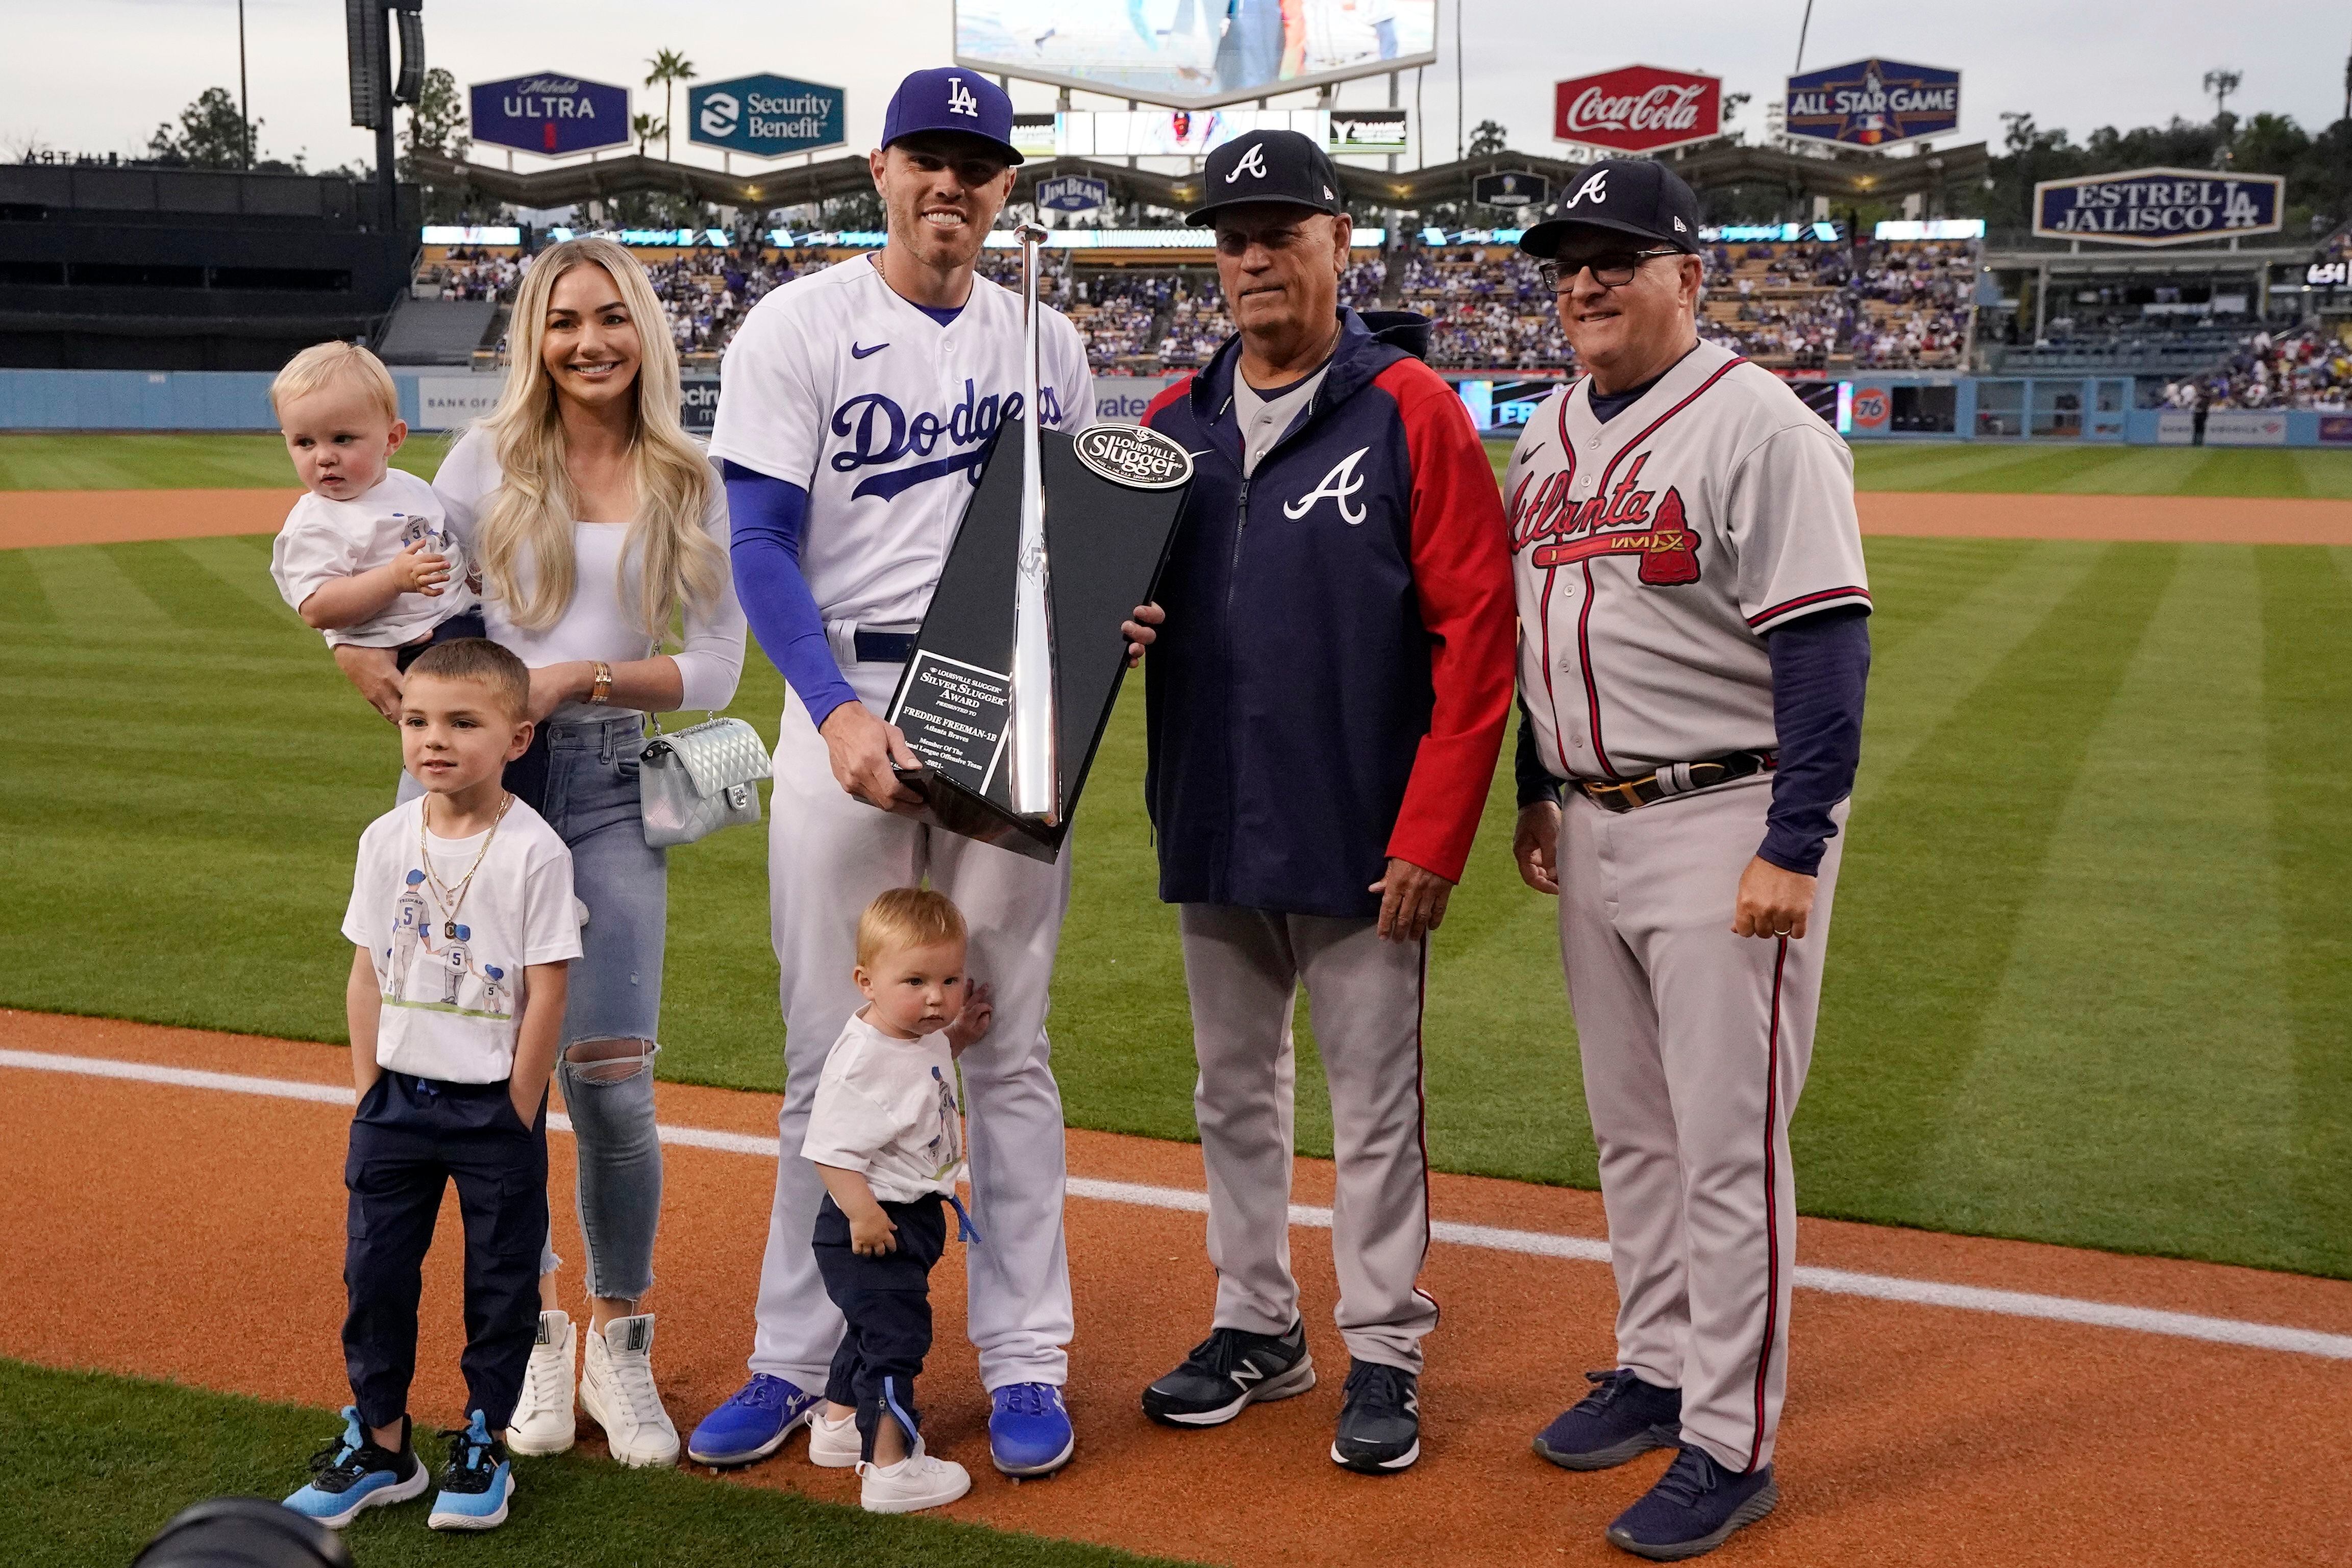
(1695, 1044)
(1243, 968)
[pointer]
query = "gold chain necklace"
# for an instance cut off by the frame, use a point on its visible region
(451, 903)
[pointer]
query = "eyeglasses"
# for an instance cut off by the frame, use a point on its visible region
(1610, 271)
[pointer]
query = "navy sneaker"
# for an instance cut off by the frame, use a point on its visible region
(1622, 1417)
(352, 1473)
(1228, 1370)
(752, 1423)
(476, 1481)
(1380, 1419)
(1029, 1429)
(1695, 1507)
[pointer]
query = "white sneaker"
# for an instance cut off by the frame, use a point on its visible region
(616, 1389)
(918, 1481)
(833, 1445)
(542, 1418)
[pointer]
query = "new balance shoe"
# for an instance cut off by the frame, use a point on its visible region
(477, 1481)
(1228, 1370)
(1029, 1429)
(1695, 1507)
(1622, 1418)
(755, 1421)
(616, 1389)
(833, 1445)
(352, 1472)
(1380, 1419)
(543, 1422)
(916, 1483)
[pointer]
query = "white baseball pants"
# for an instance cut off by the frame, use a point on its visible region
(1243, 968)
(1695, 1044)
(828, 856)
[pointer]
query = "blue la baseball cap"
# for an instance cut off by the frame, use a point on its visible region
(951, 97)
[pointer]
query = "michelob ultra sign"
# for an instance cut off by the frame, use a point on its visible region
(2158, 206)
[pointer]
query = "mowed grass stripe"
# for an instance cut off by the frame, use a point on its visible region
(241, 562)
(38, 460)
(22, 603)
(1943, 860)
(89, 594)
(194, 599)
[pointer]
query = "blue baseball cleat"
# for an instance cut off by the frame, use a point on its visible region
(752, 1423)
(1694, 1508)
(476, 1482)
(352, 1473)
(1029, 1429)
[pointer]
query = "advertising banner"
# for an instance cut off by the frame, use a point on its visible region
(549, 114)
(1515, 189)
(453, 403)
(1638, 109)
(1370, 130)
(1123, 399)
(2224, 427)
(1073, 194)
(2158, 206)
(766, 116)
(1873, 103)
(1196, 133)
(2335, 428)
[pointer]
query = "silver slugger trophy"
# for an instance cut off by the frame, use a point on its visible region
(1036, 775)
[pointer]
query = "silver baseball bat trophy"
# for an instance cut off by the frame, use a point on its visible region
(1036, 779)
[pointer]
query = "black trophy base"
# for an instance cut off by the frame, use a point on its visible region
(948, 804)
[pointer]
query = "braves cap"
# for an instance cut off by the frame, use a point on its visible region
(951, 98)
(1634, 196)
(1268, 166)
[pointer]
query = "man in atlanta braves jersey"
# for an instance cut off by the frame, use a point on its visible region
(1692, 649)
(855, 408)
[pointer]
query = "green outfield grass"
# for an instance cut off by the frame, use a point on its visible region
(32, 460)
(92, 1466)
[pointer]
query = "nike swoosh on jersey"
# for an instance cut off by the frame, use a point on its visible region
(858, 350)
(899, 480)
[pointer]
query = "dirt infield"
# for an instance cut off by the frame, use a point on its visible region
(30, 517)
(195, 1234)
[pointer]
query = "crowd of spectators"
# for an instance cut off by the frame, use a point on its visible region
(1799, 304)
(472, 274)
(2306, 368)
(1488, 308)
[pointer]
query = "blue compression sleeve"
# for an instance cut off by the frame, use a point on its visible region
(1820, 666)
(1531, 779)
(767, 517)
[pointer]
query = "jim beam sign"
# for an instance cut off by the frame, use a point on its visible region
(2158, 206)
(1638, 109)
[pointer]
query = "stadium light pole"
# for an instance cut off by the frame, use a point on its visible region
(1458, 142)
(244, 97)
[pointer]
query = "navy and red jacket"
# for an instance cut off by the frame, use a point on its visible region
(1332, 683)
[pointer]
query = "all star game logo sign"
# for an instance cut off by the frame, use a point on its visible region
(2158, 206)
(1873, 103)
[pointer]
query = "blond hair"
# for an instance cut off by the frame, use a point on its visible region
(479, 659)
(530, 518)
(324, 364)
(907, 917)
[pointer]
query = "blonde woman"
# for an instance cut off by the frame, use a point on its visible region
(596, 521)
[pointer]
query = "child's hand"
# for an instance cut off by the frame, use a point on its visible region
(417, 571)
(978, 1012)
(871, 1234)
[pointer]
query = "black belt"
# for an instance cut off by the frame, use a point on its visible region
(885, 647)
(1676, 778)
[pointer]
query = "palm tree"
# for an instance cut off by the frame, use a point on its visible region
(645, 127)
(668, 68)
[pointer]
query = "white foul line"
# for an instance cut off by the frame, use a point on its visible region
(1493, 1239)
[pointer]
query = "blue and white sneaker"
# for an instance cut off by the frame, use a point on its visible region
(352, 1473)
(476, 1483)
(752, 1423)
(1029, 1429)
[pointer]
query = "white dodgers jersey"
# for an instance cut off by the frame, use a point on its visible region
(839, 385)
(1652, 554)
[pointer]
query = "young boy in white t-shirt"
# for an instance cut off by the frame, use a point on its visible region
(366, 556)
(887, 1135)
(462, 921)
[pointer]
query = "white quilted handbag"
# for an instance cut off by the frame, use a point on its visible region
(700, 780)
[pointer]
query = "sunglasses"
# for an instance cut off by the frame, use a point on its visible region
(1612, 270)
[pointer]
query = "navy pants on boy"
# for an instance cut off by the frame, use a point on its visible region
(411, 1137)
(887, 1301)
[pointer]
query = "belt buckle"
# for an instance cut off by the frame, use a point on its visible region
(1625, 789)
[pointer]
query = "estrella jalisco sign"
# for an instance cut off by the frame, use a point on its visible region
(2158, 206)
(1873, 103)
(766, 116)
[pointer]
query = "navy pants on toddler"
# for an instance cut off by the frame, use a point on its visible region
(887, 1301)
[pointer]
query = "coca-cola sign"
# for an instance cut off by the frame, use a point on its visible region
(1638, 109)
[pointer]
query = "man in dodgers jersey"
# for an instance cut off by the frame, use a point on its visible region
(1693, 653)
(855, 406)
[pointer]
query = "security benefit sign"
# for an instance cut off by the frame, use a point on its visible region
(551, 114)
(1873, 103)
(1073, 194)
(1638, 109)
(2158, 206)
(766, 116)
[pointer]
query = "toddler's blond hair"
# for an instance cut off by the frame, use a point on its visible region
(907, 917)
(323, 364)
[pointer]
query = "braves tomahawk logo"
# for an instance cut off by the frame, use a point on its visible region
(1340, 485)
(1628, 520)
(959, 99)
(1253, 163)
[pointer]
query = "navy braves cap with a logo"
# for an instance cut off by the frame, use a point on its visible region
(951, 98)
(1268, 166)
(1635, 196)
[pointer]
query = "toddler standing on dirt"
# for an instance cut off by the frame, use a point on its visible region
(366, 556)
(887, 1135)
(463, 922)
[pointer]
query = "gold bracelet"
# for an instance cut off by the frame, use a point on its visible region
(601, 690)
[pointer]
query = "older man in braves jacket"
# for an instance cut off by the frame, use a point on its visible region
(1326, 699)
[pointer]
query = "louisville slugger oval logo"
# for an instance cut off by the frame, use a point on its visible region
(1134, 455)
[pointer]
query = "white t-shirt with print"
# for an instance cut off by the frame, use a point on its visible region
(323, 540)
(887, 1108)
(453, 999)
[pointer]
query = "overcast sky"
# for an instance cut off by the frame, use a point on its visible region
(98, 75)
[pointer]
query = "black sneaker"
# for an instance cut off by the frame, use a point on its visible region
(1693, 1509)
(1231, 1368)
(1622, 1418)
(1380, 1419)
